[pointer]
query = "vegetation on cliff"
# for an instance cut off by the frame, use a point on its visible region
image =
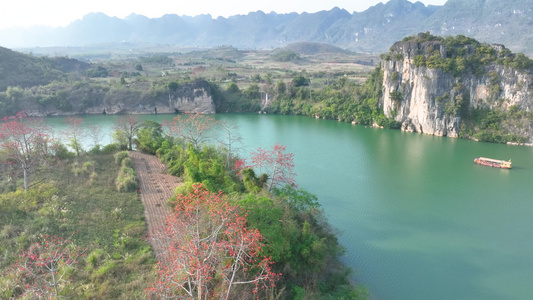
(322, 83)
(484, 79)
(461, 54)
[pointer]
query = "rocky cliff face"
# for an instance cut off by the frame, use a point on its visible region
(434, 101)
(193, 97)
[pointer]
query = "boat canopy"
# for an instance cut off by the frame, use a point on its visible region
(493, 160)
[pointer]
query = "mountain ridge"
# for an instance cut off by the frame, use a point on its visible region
(507, 22)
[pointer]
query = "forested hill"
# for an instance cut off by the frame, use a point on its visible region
(17, 69)
(507, 22)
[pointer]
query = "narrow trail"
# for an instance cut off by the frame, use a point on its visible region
(156, 188)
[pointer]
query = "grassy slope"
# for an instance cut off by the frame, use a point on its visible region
(118, 264)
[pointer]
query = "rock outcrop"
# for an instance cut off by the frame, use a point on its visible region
(434, 101)
(194, 97)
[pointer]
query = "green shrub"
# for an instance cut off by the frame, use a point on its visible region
(127, 184)
(119, 156)
(127, 162)
(95, 257)
(110, 149)
(9, 231)
(87, 169)
(96, 150)
(61, 152)
(127, 180)
(105, 269)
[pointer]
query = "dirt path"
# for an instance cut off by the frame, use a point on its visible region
(156, 188)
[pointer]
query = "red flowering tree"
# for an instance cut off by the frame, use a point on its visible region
(210, 254)
(24, 143)
(43, 270)
(194, 128)
(276, 164)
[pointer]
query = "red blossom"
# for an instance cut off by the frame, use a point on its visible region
(194, 128)
(43, 268)
(210, 251)
(240, 164)
(25, 142)
(276, 164)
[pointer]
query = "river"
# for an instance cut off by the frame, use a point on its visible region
(418, 219)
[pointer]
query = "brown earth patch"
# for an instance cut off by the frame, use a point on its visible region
(156, 187)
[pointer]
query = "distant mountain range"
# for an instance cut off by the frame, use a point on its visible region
(508, 22)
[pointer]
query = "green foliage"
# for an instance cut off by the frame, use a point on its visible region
(251, 182)
(233, 88)
(252, 91)
(299, 81)
(87, 170)
(120, 139)
(396, 96)
(110, 148)
(206, 165)
(463, 55)
(487, 125)
(117, 266)
(235, 100)
(301, 242)
(296, 235)
(150, 137)
(442, 98)
(385, 57)
(97, 72)
(173, 86)
(398, 56)
(127, 163)
(61, 151)
(25, 71)
(127, 178)
(349, 102)
(420, 61)
(285, 56)
(157, 59)
(119, 156)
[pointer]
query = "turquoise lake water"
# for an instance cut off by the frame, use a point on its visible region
(418, 219)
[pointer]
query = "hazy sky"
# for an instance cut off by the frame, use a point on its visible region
(26, 13)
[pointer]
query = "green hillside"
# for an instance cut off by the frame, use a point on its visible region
(17, 69)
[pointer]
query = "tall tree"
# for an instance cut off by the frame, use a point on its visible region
(230, 139)
(95, 133)
(24, 143)
(150, 136)
(211, 254)
(74, 133)
(276, 164)
(194, 128)
(127, 127)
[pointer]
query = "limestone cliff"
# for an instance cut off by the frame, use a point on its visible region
(138, 98)
(440, 86)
